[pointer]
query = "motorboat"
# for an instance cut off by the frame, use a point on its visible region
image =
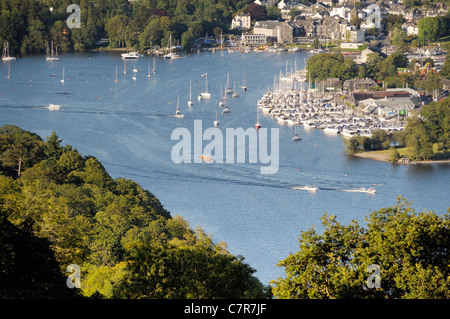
(133, 55)
(54, 107)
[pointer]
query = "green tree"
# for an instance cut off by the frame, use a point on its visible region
(273, 13)
(117, 30)
(373, 64)
(408, 248)
(418, 141)
(429, 29)
(395, 156)
(187, 40)
(398, 36)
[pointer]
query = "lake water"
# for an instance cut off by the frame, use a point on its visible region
(127, 126)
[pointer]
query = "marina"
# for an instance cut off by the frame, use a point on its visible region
(291, 102)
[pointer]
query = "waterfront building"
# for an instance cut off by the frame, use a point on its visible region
(274, 30)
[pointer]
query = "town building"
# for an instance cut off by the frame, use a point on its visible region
(276, 31)
(241, 21)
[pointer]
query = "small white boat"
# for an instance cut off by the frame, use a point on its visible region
(226, 109)
(371, 190)
(5, 55)
(309, 188)
(134, 55)
(171, 55)
(216, 121)
(54, 107)
(53, 56)
(205, 94)
(235, 94)
(178, 113)
(296, 136)
(62, 80)
(190, 102)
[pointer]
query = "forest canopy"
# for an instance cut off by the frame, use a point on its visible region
(28, 25)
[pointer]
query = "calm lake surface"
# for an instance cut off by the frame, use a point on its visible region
(128, 127)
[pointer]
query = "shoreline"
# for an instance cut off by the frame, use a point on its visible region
(383, 157)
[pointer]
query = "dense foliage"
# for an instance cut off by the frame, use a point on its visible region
(410, 249)
(58, 208)
(29, 25)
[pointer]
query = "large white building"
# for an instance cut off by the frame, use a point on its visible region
(241, 21)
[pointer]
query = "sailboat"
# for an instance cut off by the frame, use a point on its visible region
(5, 55)
(53, 56)
(258, 124)
(226, 109)
(235, 94)
(190, 102)
(216, 121)
(62, 80)
(205, 94)
(227, 87)
(154, 65)
(178, 113)
(171, 55)
(296, 136)
(124, 66)
(221, 100)
(244, 86)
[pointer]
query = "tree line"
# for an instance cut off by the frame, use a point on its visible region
(29, 25)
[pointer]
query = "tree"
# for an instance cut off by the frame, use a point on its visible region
(23, 151)
(29, 267)
(187, 40)
(409, 249)
(352, 145)
(429, 29)
(273, 13)
(173, 270)
(395, 156)
(116, 29)
(398, 36)
(256, 11)
(445, 70)
(373, 64)
(418, 142)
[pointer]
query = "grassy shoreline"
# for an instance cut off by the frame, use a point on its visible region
(384, 155)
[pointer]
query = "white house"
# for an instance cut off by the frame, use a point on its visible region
(241, 22)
